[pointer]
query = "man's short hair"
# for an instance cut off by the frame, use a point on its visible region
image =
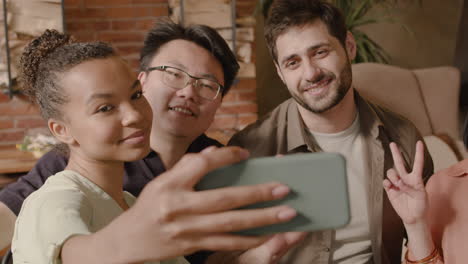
(284, 14)
(164, 31)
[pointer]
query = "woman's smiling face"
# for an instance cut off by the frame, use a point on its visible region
(106, 116)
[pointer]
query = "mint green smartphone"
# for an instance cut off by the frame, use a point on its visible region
(318, 185)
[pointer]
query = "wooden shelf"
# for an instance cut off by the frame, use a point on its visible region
(13, 161)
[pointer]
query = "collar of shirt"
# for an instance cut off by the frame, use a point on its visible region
(298, 139)
(154, 163)
(458, 170)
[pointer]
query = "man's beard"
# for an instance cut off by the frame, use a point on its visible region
(343, 88)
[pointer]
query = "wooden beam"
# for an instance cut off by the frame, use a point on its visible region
(242, 34)
(216, 13)
(32, 18)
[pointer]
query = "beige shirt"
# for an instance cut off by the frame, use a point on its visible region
(352, 243)
(67, 204)
(283, 131)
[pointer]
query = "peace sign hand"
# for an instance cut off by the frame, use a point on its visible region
(406, 190)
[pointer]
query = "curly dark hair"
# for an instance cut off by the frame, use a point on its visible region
(48, 55)
(284, 14)
(165, 30)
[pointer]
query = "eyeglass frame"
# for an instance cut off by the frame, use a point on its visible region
(164, 67)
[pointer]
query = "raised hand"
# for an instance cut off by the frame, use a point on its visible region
(406, 190)
(408, 196)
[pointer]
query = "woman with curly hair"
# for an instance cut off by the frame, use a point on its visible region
(95, 107)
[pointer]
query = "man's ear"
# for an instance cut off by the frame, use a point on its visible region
(350, 46)
(60, 131)
(142, 78)
(278, 71)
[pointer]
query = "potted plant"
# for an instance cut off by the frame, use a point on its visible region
(356, 14)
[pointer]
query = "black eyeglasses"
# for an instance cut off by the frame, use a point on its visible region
(179, 79)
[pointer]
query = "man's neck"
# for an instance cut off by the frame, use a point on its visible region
(170, 148)
(334, 120)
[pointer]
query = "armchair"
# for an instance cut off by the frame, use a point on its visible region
(427, 97)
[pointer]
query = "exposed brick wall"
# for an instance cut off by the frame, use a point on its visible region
(239, 109)
(239, 106)
(17, 116)
(124, 24)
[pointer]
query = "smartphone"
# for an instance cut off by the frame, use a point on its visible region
(318, 186)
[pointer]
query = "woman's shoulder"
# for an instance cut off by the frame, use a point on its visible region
(447, 190)
(445, 178)
(62, 190)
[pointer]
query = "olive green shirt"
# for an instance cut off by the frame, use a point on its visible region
(283, 131)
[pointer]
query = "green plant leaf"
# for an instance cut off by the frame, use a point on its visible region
(359, 11)
(368, 50)
(363, 22)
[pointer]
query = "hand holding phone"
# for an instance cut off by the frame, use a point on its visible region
(318, 185)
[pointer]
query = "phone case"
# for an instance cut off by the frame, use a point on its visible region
(318, 188)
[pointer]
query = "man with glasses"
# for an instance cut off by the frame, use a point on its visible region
(185, 72)
(184, 75)
(179, 79)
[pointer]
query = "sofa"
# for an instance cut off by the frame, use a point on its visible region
(428, 97)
